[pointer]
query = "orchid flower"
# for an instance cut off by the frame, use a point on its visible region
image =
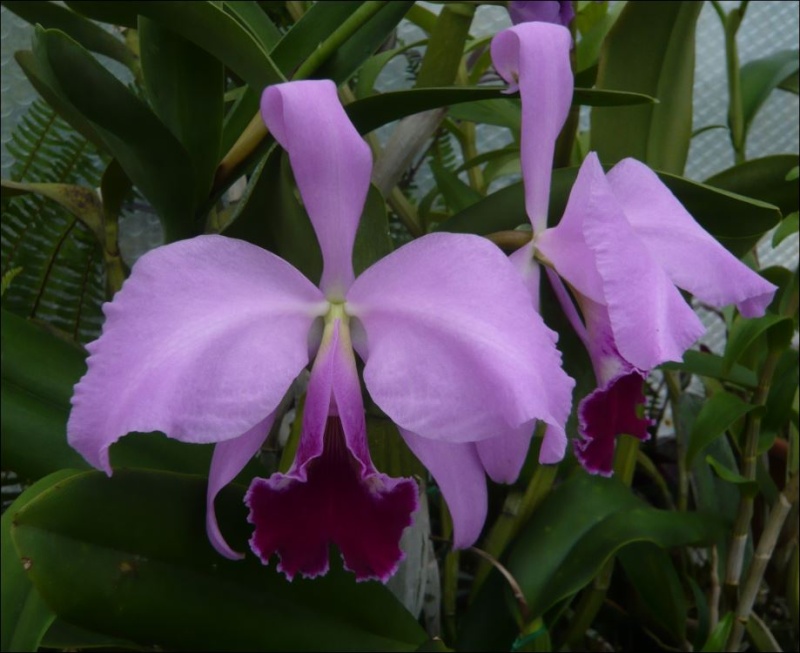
(558, 12)
(207, 335)
(624, 246)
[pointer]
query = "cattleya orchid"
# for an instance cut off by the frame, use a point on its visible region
(208, 334)
(624, 246)
(558, 12)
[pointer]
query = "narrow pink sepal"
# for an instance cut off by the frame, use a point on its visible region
(201, 343)
(535, 57)
(228, 460)
(459, 474)
(332, 166)
(691, 257)
(503, 456)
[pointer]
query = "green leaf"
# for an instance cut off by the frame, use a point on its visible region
(780, 399)
(572, 534)
(712, 366)
(372, 241)
(504, 112)
(371, 112)
(658, 588)
(92, 37)
(255, 20)
(718, 414)
(205, 24)
(372, 67)
(717, 639)
(762, 179)
(745, 332)
(150, 155)
(457, 194)
(788, 226)
(63, 635)
(185, 87)
(81, 202)
(658, 135)
(139, 566)
(25, 617)
(746, 486)
(366, 40)
(762, 76)
(738, 222)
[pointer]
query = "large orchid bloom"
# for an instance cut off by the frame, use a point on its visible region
(207, 335)
(624, 246)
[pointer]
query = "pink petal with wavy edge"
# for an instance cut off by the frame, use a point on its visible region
(332, 167)
(535, 57)
(201, 343)
(459, 474)
(689, 254)
(559, 12)
(453, 348)
(332, 493)
(229, 459)
(606, 413)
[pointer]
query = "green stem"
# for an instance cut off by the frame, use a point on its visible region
(674, 391)
(749, 465)
(763, 554)
(735, 109)
(450, 580)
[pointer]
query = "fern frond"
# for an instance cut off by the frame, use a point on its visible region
(61, 279)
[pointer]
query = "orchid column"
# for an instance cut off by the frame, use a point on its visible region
(207, 335)
(622, 246)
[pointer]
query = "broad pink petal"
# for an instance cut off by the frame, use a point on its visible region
(530, 270)
(596, 250)
(453, 348)
(459, 474)
(229, 459)
(332, 493)
(606, 413)
(535, 56)
(691, 257)
(201, 343)
(332, 166)
(503, 456)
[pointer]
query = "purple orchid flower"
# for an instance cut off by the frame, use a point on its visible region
(558, 12)
(207, 335)
(624, 246)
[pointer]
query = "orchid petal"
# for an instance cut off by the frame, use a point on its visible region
(201, 343)
(332, 167)
(453, 349)
(535, 56)
(554, 445)
(459, 474)
(606, 413)
(559, 12)
(503, 456)
(332, 493)
(530, 271)
(691, 257)
(228, 460)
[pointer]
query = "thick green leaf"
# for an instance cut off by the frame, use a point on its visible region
(150, 155)
(762, 76)
(746, 486)
(658, 135)
(746, 332)
(372, 237)
(457, 194)
(366, 40)
(63, 635)
(371, 112)
(205, 24)
(185, 87)
(575, 530)
(762, 179)
(92, 37)
(736, 221)
(717, 415)
(25, 617)
(658, 588)
(139, 566)
(255, 20)
(711, 365)
(780, 399)
(716, 641)
(788, 226)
